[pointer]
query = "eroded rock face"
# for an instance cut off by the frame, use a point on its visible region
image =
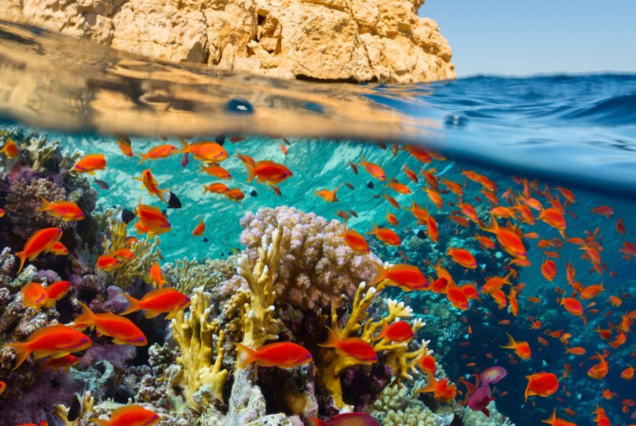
(358, 40)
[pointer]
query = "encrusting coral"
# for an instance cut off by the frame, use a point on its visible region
(193, 333)
(331, 364)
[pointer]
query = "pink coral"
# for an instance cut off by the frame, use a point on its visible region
(315, 266)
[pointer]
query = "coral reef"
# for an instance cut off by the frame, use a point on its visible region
(315, 267)
(357, 41)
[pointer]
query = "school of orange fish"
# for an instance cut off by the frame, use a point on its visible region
(509, 210)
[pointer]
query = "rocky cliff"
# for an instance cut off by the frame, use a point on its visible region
(356, 40)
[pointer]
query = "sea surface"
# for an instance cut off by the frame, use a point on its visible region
(572, 131)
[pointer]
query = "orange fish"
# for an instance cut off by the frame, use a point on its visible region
(157, 276)
(469, 211)
(495, 283)
(161, 151)
(590, 292)
(542, 384)
(457, 297)
(620, 227)
(411, 174)
(57, 340)
(386, 235)
(485, 242)
(574, 307)
(216, 188)
(441, 389)
(599, 371)
(373, 169)
(553, 218)
(628, 373)
(351, 346)
(153, 219)
(601, 418)
(522, 349)
(355, 241)
(282, 355)
(390, 217)
(268, 172)
(431, 228)
(121, 329)
(130, 415)
(63, 363)
(246, 159)
(200, 229)
(39, 242)
(427, 363)
(509, 240)
(66, 210)
(125, 145)
(235, 194)
(148, 181)
(435, 198)
(399, 331)
(616, 301)
(208, 152)
(58, 249)
(34, 296)
(549, 269)
(107, 263)
(567, 194)
(575, 351)
(283, 148)
(400, 188)
(216, 171)
(327, 195)
(157, 302)
(90, 163)
(555, 421)
(455, 188)
(3, 386)
(407, 277)
(503, 212)
(391, 201)
(462, 257)
(604, 211)
(10, 149)
(124, 253)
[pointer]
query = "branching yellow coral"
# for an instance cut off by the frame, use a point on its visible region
(86, 407)
(331, 364)
(194, 334)
(260, 326)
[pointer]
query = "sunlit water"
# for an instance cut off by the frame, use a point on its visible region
(576, 131)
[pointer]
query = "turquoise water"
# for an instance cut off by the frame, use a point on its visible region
(579, 132)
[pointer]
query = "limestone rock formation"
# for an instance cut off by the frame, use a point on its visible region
(356, 40)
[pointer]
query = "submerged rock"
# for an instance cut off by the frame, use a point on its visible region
(360, 40)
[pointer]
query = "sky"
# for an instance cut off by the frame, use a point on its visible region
(522, 37)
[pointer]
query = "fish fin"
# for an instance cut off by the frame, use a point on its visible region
(22, 352)
(364, 161)
(45, 205)
(99, 422)
(87, 318)
(246, 355)
(251, 172)
(60, 355)
(332, 340)
(42, 354)
(383, 331)
(50, 303)
(486, 412)
(120, 342)
(511, 342)
(152, 314)
(133, 305)
(492, 227)
(380, 276)
(172, 314)
(23, 256)
(317, 422)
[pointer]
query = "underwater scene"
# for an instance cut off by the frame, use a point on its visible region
(178, 251)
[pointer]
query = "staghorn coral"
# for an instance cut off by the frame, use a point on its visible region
(194, 335)
(260, 325)
(315, 266)
(331, 365)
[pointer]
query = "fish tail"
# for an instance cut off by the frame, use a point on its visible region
(143, 157)
(385, 328)
(45, 205)
(332, 340)
(380, 275)
(87, 319)
(430, 386)
(23, 256)
(22, 352)
(375, 229)
(246, 355)
(511, 342)
(133, 305)
(206, 190)
(186, 147)
(251, 172)
(492, 227)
